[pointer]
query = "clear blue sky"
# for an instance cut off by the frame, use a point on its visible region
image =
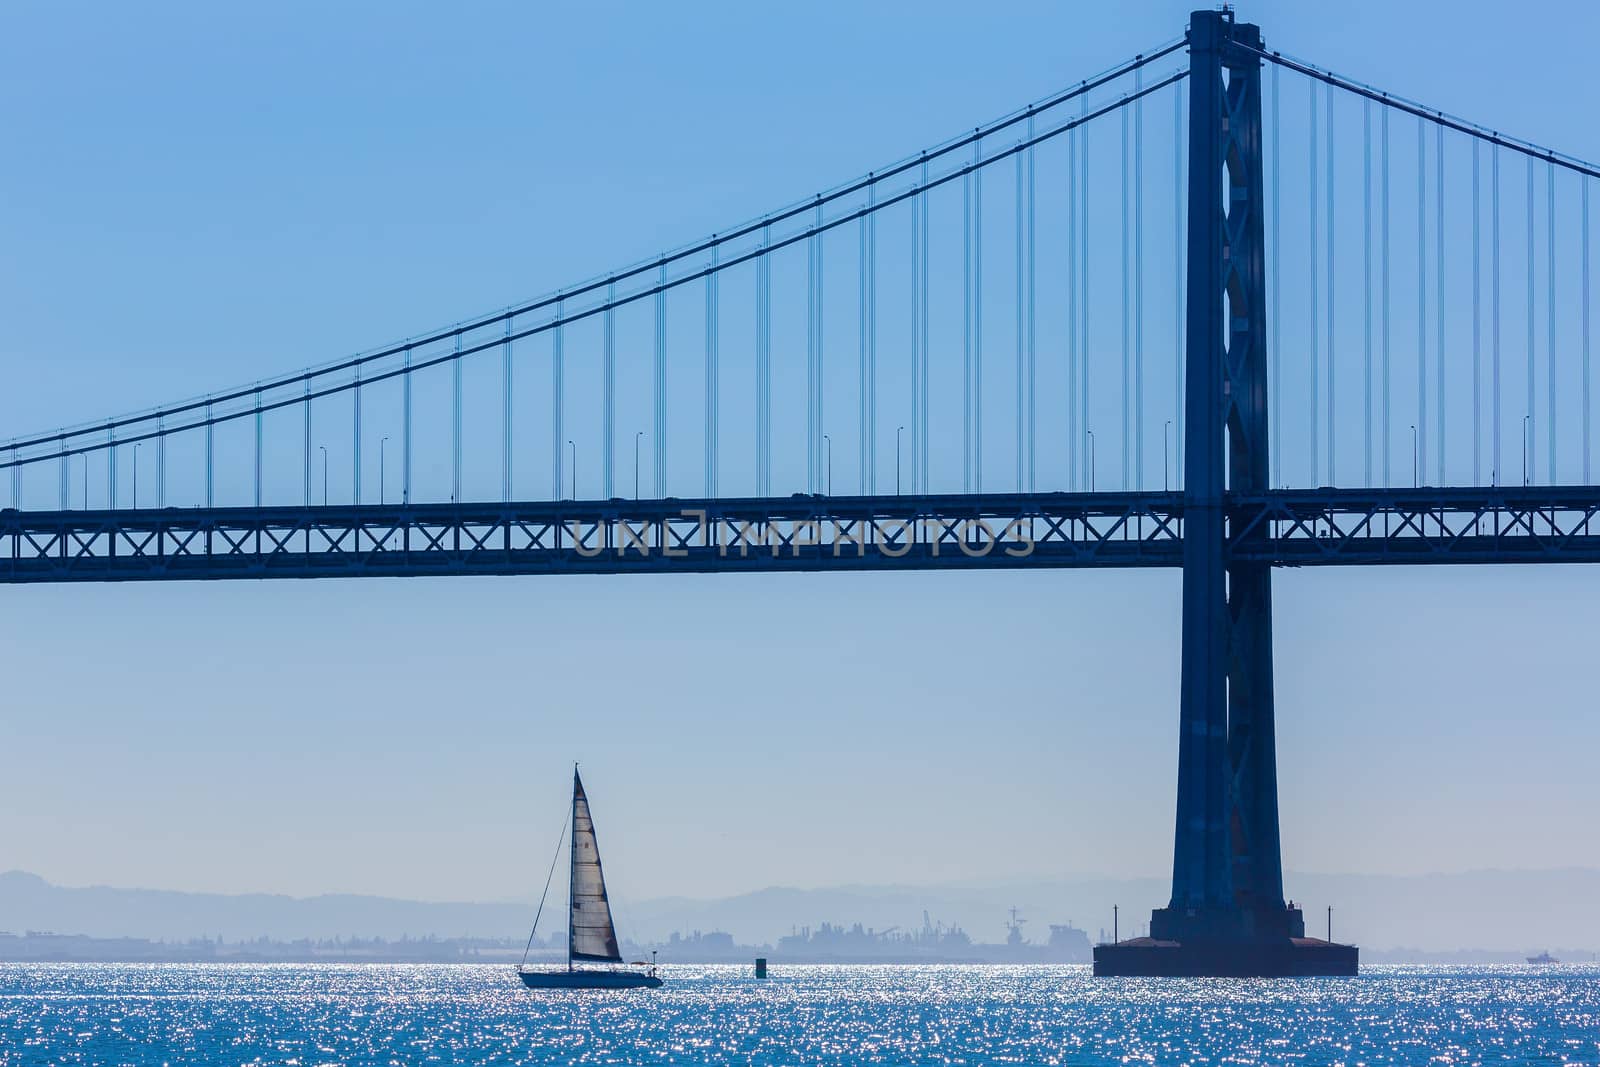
(198, 196)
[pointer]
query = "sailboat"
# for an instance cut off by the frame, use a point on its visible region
(591, 934)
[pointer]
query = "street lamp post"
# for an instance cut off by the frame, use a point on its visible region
(383, 441)
(828, 441)
(324, 474)
(897, 431)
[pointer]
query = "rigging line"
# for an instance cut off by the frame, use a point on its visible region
(1332, 361)
(547, 880)
(1530, 433)
(1434, 115)
(1550, 305)
(1126, 354)
(1311, 217)
(637, 270)
(1366, 266)
(706, 273)
(1422, 299)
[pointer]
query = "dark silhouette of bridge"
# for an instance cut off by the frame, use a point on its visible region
(234, 476)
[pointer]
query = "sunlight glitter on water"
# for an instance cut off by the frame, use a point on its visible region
(310, 1015)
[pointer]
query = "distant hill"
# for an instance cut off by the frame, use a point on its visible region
(1499, 911)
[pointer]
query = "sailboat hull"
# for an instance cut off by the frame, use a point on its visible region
(588, 980)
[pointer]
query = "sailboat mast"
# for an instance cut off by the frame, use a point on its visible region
(572, 862)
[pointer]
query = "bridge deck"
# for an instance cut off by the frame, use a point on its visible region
(799, 533)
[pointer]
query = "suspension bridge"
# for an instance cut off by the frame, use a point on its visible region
(1216, 308)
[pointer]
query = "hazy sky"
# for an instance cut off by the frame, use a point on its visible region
(197, 197)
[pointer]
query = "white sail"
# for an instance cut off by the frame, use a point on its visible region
(593, 936)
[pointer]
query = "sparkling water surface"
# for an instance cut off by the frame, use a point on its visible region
(308, 1015)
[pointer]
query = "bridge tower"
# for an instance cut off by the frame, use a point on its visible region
(1227, 914)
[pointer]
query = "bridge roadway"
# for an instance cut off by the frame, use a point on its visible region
(1523, 524)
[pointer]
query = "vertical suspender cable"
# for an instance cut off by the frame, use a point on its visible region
(1033, 410)
(711, 375)
(557, 390)
(1127, 464)
(764, 367)
(1532, 429)
(306, 450)
(1477, 321)
(871, 483)
(505, 415)
(608, 392)
(63, 474)
(1366, 267)
(822, 347)
(967, 330)
(1277, 288)
(1083, 291)
(1584, 301)
(258, 448)
(455, 424)
(1494, 316)
(210, 460)
(1388, 292)
(811, 363)
(917, 353)
(922, 326)
(161, 467)
(355, 438)
(1327, 120)
(1438, 268)
(658, 484)
(1138, 282)
(864, 359)
(1021, 338)
(1311, 217)
(1422, 296)
(977, 325)
(1177, 276)
(405, 436)
(1550, 303)
(1072, 309)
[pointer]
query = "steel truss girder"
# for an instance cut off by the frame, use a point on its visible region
(799, 533)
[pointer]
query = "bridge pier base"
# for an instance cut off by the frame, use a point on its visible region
(1227, 915)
